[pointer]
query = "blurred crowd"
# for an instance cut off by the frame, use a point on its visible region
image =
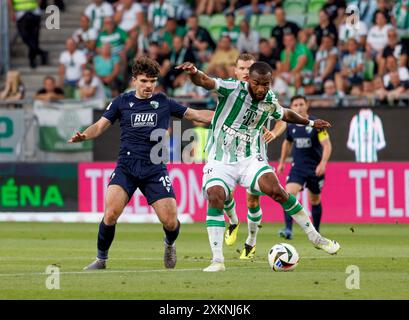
(323, 51)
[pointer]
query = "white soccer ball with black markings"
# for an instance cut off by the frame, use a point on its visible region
(283, 257)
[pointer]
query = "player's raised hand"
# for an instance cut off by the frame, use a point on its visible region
(78, 137)
(189, 67)
(268, 136)
(321, 124)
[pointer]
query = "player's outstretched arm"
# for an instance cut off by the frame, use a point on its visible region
(204, 116)
(278, 130)
(198, 77)
(92, 132)
(291, 116)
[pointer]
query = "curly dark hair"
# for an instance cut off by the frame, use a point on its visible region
(146, 66)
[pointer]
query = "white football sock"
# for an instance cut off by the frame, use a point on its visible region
(254, 216)
(230, 209)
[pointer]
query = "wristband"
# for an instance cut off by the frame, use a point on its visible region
(311, 123)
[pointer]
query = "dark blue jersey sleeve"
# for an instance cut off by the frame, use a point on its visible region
(289, 137)
(176, 109)
(112, 111)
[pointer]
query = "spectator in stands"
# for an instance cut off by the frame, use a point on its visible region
(168, 33)
(230, 29)
(49, 92)
(283, 26)
(115, 36)
(181, 9)
(268, 53)
(258, 7)
(144, 39)
(177, 56)
(392, 69)
(330, 98)
(225, 54)
(379, 90)
(377, 38)
(209, 6)
(90, 86)
(396, 87)
(248, 39)
(107, 68)
(400, 19)
(158, 13)
(393, 48)
(325, 25)
(335, 10)
(296, 63)
(383, 7)
(14, 87)
(129, 15)
(351, 70)
(367, 9)
(325, 63)
(27, 15)
(86, 37)
(184, 87)
(97, 12)
(199, 40)
(358, 30)
(72, 61)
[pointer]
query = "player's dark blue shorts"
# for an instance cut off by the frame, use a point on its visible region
(152, 179)
(307, 178)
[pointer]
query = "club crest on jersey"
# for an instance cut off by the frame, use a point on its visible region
(308, 129)
(144, 119)
(131, 104)
(155, 104)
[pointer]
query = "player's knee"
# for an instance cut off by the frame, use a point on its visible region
(252, 201)
(277, 193)
(216, 196)
(110, 217)
(170, 223)
(315, 201)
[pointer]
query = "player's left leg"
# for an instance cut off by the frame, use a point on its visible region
(269, 184)
(166, 211)
(230, 235)
(314, 185)
(254, 216)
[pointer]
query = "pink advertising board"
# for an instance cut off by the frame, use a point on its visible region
(353, 193)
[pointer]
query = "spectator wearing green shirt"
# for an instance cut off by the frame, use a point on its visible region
(296, 62)
(115, 36)
(170, 31)
(231, 30)
(107, 68)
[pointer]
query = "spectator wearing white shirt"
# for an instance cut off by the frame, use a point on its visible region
(72, 61)
(129, 15)
(90, 86)
(392, 67)
(377, 38)
(85, 36)
(158, 13)
(97, 11)
(248, 39)
(358, 31)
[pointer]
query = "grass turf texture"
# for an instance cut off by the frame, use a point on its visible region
(135, 269)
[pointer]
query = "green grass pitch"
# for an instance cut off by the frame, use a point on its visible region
(135, 269)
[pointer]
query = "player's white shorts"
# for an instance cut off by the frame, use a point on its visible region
(244, 173)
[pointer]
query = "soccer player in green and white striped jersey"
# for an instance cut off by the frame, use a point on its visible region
(234, 152)
(254, 213)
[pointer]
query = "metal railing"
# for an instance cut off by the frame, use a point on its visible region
(4, 38)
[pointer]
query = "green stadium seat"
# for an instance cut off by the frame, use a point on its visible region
(238, 19)
(312, 19)
(267, 20)
(215, 26)
(294, 7)
(254, 21)
(265, 32)
(315, 6)
(299, 19)
(204, 20)
(215, 33)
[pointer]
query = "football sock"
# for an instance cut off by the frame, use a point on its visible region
(230, 209)
(293, 207)
(316, 212)
(215, 230)
(254, 216)
(171, 236)
(105, 237)
(288, 221)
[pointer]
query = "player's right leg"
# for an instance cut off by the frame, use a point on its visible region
(287, 233)
(115, 201)
(269, 184)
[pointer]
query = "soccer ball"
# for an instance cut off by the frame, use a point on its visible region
(283, 257)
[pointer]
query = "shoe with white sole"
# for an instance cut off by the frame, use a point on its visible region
(215, 267)
(329, 246)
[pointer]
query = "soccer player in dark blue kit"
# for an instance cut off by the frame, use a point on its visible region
(311, 150)
(139, 165)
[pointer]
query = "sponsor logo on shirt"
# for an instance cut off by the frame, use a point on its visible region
(144, 119)
(302, 143)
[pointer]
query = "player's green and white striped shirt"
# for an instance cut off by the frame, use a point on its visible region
(237, 122)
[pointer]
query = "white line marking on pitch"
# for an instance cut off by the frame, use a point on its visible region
(100, 272)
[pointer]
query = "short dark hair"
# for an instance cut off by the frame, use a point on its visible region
(261, 67)
(147, 66)
(49, 77)
(298, 96)
(246, 57)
